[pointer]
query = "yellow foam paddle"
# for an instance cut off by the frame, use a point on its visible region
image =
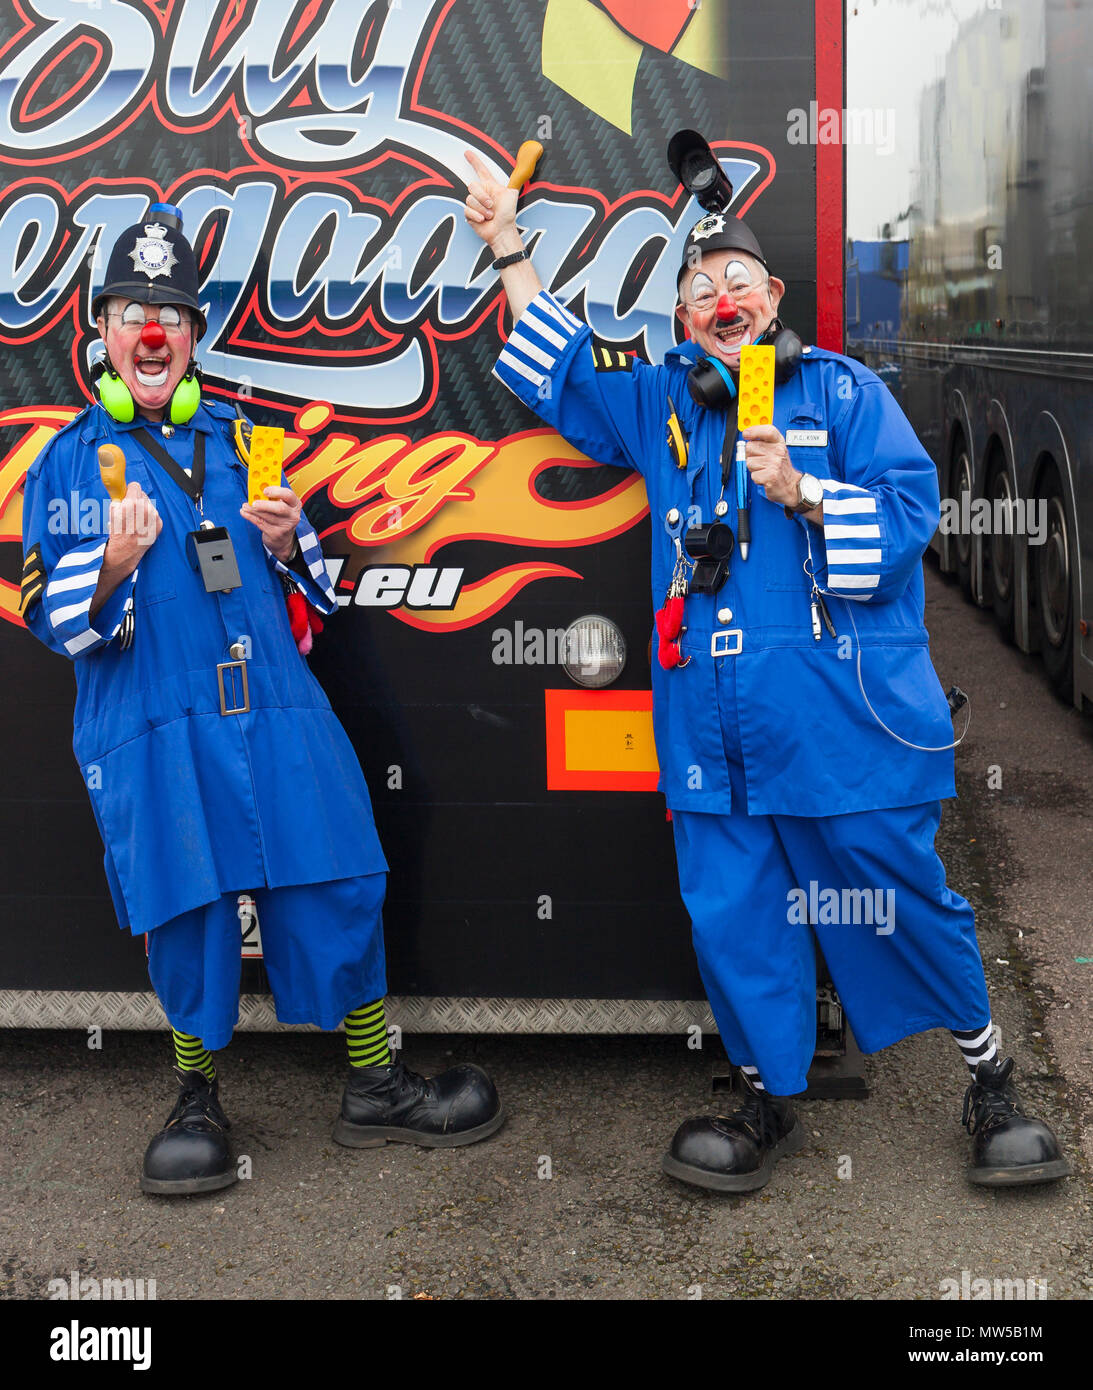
(266, 457)
(112, 470)
(527, 156)
(756, 405)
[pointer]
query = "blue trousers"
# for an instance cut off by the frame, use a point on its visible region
(899, 943)
(322, 945)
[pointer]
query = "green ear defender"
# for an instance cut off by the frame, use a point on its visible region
(187, 396)
(117, 399)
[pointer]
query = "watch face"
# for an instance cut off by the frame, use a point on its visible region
(811, 490)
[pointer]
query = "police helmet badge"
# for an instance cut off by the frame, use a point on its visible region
(152, 253)
(707, 226)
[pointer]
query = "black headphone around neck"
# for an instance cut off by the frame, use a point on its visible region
(710, 382)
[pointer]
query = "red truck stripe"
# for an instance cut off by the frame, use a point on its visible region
(830, 291)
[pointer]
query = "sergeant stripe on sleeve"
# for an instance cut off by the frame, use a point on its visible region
(609, 359)
(851, 537)
(33, 579)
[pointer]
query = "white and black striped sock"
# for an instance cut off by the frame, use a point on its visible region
(752, 1073)
(976, 1045)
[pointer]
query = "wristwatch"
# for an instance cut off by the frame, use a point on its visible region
(810, 494)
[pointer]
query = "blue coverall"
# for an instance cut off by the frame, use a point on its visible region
(196, 806)
(779, 779)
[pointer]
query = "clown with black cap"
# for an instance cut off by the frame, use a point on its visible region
(804, 741)
(218, 774)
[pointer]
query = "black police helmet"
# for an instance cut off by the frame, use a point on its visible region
(153, 263)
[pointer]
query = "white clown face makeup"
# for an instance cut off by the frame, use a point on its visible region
(150, 346)
(727, 302)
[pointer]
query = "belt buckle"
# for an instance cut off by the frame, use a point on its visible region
(719, 642)
(235, 707)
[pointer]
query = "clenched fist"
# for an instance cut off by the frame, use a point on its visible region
(277, 518)
(133, 526)
(769, 464)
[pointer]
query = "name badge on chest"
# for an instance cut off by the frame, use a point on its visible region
(807, 438)
(211, 551)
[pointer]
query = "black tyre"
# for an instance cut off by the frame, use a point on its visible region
(998, 551)
(1053, 582)
(960, 482)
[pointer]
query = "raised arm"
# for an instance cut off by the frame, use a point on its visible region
(491, 210)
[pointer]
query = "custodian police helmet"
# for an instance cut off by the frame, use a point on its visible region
(153, 263)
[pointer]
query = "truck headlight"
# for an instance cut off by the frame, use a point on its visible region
(594, 652)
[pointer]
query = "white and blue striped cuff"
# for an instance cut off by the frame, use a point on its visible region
(852, 539)
(68, 595)
(315, 586)
(537, 341)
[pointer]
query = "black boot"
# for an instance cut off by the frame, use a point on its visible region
(1009, 1148)
(190, 1153)
(737, 1152)
(393, 1103)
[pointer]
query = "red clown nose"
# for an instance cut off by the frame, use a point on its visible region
(152, 336)
(726, 308)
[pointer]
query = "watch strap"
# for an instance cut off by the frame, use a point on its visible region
(503, 261)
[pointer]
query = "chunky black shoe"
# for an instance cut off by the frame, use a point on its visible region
(737, 1152)
(379, 1104)
(1009, 1148)
(190, 1153)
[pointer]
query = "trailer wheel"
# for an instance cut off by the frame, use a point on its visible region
(960, 482)
(998, 556)
(1053, 578)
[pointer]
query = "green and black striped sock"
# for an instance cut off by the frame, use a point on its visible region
(366, 1036)
(191, 1054)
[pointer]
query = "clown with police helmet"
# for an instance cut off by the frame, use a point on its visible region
(216, 768)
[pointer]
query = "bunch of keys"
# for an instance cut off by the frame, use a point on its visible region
(816, 599)
(128, 624)
(819, 610)
(670, 616)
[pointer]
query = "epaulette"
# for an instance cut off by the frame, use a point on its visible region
(219, 410)
(77, 421)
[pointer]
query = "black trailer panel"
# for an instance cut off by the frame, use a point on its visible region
(320, 171)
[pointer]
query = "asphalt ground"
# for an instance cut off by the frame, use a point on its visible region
(568, 1201)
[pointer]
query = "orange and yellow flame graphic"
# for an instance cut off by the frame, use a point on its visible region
(399, 501)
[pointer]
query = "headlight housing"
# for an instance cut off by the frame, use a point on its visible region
(594, 653)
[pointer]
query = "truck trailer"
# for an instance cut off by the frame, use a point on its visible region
(490, 659)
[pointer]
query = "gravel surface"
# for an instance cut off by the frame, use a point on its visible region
(321, 1222)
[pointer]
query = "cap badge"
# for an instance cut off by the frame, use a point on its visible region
(153, 253)
(708, 226)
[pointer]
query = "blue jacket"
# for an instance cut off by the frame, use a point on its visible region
(191, 803)
(810, 745)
